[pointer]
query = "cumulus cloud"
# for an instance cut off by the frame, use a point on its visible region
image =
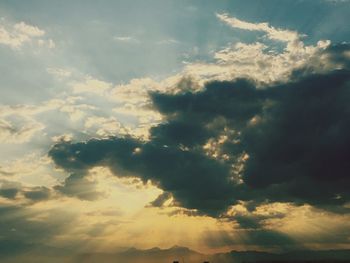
(284, 143)
(76, 111)
(29, 110)
(135, 91)
(23, 166)
(259, 63)
(246, 140)
(90, 85)
(254, 125)
(256, 61)
(11, 133)
(284, 130)
(133, 101)
(20, 33)
(103, 126)
(29, 30)
(19, 123)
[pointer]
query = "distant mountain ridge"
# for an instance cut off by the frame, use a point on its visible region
(154, 255)
(293, 256)
(186, 255)
(33, 254)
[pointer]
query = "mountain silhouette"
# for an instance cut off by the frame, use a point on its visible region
(33, 254)
(186, 255)
(153, 255)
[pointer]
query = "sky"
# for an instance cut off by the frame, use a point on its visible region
(214, 125)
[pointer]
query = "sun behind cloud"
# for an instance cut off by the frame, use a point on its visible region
(243, 145)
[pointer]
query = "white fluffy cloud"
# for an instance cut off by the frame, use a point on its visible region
(103, 126)
(254, 61)
(132, 109)
(257, 61)
(10, 133)
(91, 85)
(20, 33)
(19, 123)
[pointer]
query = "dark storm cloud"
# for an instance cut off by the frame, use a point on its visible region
(37, 194)
(340, 54)
(195, 117)
(9, 189)
(9, 193)
(302, 144)
(186, 174)
(14, 190)
(297, 136)
(77, 185)
(161, 199)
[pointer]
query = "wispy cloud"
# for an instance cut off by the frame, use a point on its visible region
(272, 32)
(59, 72)
(126, 39)
(169, 41)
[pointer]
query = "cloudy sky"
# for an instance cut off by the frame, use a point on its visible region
(215, 125)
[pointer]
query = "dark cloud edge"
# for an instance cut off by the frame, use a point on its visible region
(298, 149)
